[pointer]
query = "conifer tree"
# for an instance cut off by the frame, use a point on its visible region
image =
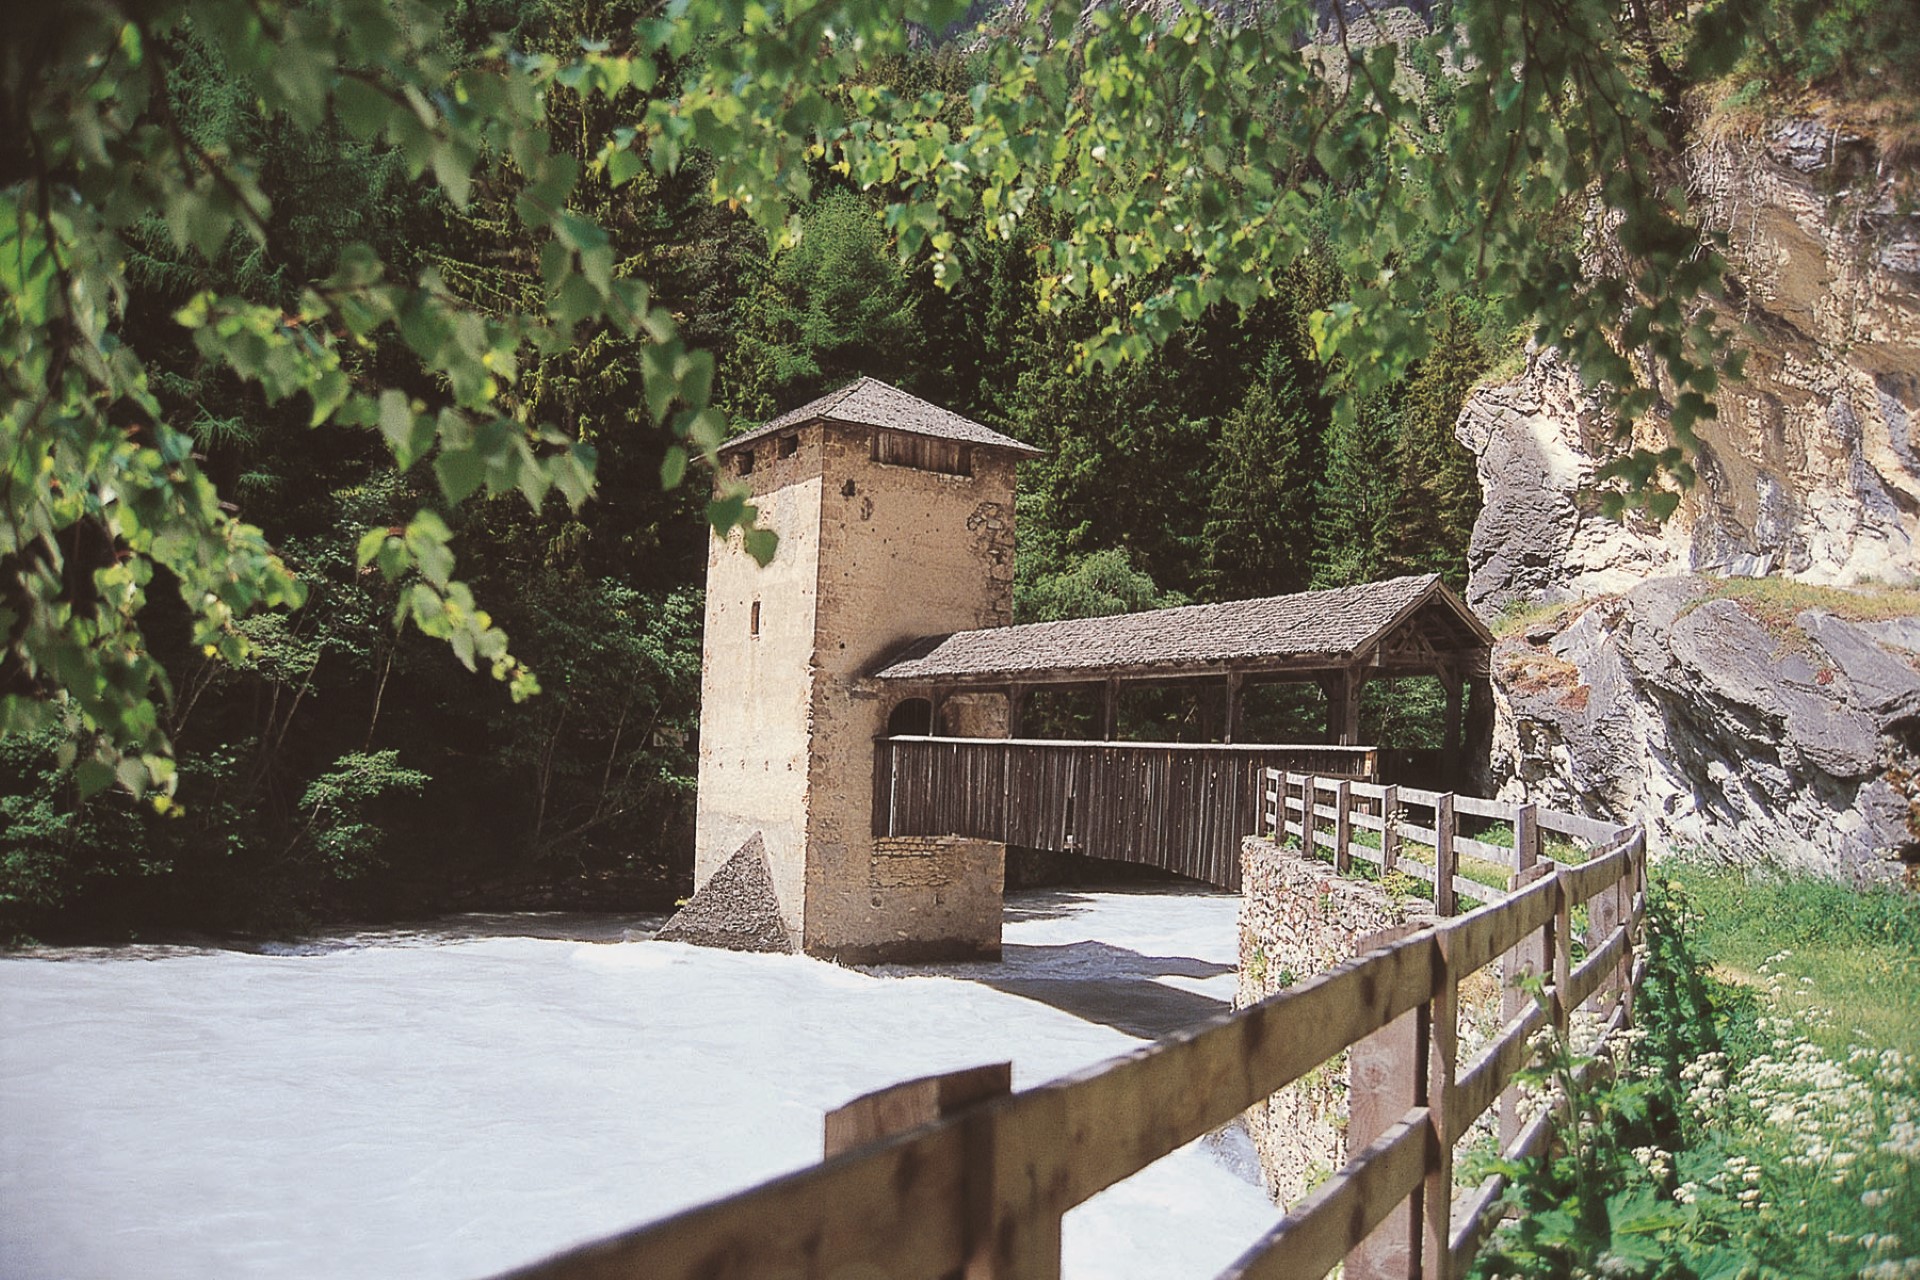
(1357, 496)
(1259, 532)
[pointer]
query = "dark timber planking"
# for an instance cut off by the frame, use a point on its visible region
(1181, 807)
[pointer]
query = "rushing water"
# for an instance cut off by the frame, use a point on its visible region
(459, 1097)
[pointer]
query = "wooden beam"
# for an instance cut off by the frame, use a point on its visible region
(1233, 706)
(1016, 708)
(1110, 710)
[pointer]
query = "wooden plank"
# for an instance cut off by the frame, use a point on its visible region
(1481, 936)
(896, 1209)
(1419, 835)
(1089, 1130)
(1474, 891)
(1481, 849)
(1414, 795)
(885, 1112)
(1497, 810)
(1311, 1239)
(1383, 1083)
(1415, 868)
(1482, 1082)
(1595, 969)
(1474, 1218)
(1595, 832)
(1583, 881)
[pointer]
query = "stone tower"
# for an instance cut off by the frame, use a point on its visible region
(895, 520)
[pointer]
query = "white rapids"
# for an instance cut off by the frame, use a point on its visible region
(455, 1100)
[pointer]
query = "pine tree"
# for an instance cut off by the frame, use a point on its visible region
(1259, 531)
(1439, 492)
(1357, 497)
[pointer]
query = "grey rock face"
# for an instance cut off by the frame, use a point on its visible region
(736, 909)
(1678, 708)
(1811, 469)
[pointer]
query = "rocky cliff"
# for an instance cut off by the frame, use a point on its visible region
(1722, 717)
(1812, 468)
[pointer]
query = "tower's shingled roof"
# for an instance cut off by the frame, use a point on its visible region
(869, 402)
(1342, 621)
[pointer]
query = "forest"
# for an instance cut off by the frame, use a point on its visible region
(330, 763)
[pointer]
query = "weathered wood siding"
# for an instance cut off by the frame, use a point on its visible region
(1181, 806)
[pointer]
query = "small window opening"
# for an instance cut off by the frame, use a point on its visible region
(924, 453)
(753, 622)
(789, 445)
(743, 464)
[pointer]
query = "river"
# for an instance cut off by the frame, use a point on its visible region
(456, 1098)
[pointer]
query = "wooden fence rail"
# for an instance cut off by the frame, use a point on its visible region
(1345, 810)
(1182, 806)
(970, 1180)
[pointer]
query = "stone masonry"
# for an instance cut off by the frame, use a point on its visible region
(1300, 917)
(872, 554)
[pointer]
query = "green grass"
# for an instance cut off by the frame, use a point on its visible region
(1851, 952)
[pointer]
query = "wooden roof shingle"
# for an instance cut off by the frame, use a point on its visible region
(869, 402)
(1337, 624)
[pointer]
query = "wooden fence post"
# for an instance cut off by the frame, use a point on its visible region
(1383, 1083)
(1530, 958)
(1342, 826)
(1443, 1037)
(873, 1117)
(1309, 797)
(1443, 856)
(1562, 950)
(1389, 829)
(1280, 806)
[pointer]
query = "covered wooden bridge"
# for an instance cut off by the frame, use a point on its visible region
(957, 758)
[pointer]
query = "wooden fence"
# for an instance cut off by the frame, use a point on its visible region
(1181, 806)
(1345, 810)
(955, 1176)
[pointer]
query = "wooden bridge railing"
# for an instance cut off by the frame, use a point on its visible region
(973, 1180)
(1182, 806)
(1343, 808)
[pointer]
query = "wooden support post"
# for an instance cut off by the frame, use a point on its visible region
(1603, 917)
(938, 703)
(1343, 707)
(1016, 706)
(1526, 841)
(1443, 1035)
(876, 1116)
(1309, 793)
(1450, 734)
(1383, 1083)
(1389, 829)
(1342, 825)
(1280, 807)
(1562, 950)
(1443, 857)
(1109, 710)
(1530, 959)
(1233, 707)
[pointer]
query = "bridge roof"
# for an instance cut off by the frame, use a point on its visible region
(1313, 630)
(869, 402)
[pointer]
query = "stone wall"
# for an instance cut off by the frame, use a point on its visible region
(1299, 917)
(903, 553)
(927, 898)
(756, 681)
